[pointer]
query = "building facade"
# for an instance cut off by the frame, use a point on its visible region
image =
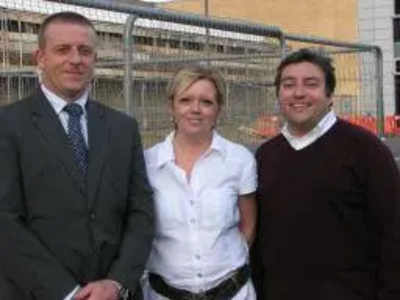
(378, 25)
(374, 22)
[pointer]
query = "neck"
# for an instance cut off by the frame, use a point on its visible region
(194, 144)
(68, 97)
(188, 150)
(299, 130)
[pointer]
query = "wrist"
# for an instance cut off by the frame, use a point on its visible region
(123, 292)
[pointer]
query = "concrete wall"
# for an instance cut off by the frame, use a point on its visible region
(329, 18)
(376, 27)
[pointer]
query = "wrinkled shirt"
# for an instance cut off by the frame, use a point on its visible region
(198, 242)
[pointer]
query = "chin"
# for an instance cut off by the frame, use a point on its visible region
(75, 89)
(196, 133)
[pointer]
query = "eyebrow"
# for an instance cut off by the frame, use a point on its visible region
(291, 78)
(84, 46)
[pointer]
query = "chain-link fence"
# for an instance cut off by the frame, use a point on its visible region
(141, 47)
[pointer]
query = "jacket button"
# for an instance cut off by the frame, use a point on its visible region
(92, 216)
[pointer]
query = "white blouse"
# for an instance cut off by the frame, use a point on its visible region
(197, 241)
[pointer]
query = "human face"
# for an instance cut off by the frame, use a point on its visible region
(302, 97)
(67, 59)
(195, 110)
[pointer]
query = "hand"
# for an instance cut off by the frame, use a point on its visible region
(98, 290)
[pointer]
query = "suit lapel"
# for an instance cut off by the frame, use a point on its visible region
(98, 132)
(47, 122)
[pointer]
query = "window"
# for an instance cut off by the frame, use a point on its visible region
(236, 50)
(397, 7)
(191, 45)
(9, 25)
(29, 27)
(143, 40)
(397, 93)
(396, 30)
(174, 44)
(160, 42)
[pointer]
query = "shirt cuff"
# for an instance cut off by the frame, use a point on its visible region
(71, 295)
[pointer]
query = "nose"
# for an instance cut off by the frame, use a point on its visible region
(195, 106)
(75, 57)
(299, 91)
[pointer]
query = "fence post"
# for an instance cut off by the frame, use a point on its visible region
(128, 51)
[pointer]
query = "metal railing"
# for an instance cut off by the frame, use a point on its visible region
(141, 47)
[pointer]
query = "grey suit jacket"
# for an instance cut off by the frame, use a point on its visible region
(56, 229)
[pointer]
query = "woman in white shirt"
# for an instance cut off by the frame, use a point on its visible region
(204, 198)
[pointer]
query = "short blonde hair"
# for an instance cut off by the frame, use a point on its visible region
(67, 17)
(188, 75)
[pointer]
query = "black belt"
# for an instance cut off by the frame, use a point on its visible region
(226, 290)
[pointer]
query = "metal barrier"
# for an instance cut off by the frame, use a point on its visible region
(141, 47)
(359, 91)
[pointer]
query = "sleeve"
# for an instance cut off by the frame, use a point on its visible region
(23, 258)
(248, 178)
(128, 268)
(70, 296)
(383, 195)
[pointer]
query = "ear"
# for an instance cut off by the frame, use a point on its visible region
(219, 111)
(171, 106)
(171, 113)
(330, 101)
(39, 58)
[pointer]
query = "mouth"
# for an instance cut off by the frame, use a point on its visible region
(300, 106)
(194, 121)
(72, 73)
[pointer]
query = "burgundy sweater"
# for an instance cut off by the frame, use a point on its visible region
(329, 219)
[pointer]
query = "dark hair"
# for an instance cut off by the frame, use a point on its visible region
(62, 17)
(312, 56)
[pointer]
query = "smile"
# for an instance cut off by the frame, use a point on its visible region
(299, 105)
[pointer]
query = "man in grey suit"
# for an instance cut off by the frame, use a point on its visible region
(76, 211)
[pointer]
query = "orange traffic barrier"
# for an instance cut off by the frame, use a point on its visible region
(263, 127)
(391, 125)
(268, 126)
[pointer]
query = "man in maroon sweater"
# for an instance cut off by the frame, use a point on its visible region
(329, 198)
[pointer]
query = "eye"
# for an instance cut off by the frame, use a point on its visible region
(86, 51)
(62, 50)
(287, 84)
(183, 100)
(312, 83)
(207, 102)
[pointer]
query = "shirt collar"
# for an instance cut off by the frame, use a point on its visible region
(59, 103)
(166, 151)
(310, 137)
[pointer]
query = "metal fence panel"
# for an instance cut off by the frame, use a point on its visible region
(358, 94)
(140, 48)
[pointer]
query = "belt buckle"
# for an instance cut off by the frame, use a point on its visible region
(199, 296)
(193, 296)
(235, 280)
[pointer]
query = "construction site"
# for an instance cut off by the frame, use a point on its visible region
(140, 47)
